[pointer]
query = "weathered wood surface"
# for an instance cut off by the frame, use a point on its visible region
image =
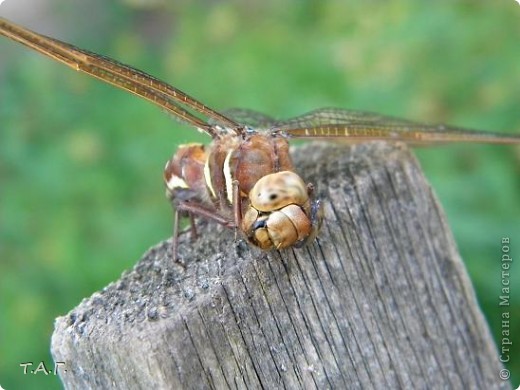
(381, 300)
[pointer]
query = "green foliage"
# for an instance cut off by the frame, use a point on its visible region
(81, 163)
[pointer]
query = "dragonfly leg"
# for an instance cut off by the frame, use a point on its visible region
(192, 210)
(194, 234)
(310, 189)
(175, 237)
(195, 209)
(316, 220)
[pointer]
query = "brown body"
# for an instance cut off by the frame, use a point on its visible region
(245, 183)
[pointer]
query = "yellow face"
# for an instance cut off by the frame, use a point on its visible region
(279, 212)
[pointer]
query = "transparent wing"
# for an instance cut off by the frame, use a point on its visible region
(120, 75)
(251, 118)
(359, 126)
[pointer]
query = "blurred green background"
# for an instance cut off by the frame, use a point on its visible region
(81, 193)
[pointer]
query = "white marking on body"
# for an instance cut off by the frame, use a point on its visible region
(207, 177)
(176, 182)
(229, 179)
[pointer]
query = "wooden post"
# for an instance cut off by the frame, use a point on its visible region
(381, 300)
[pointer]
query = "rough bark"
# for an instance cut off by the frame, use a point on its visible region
(380, 300)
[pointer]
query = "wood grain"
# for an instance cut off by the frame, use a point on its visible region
(381, 299)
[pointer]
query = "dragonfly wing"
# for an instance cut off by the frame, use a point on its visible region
(366, 126)
(120, 75)
(251, 118)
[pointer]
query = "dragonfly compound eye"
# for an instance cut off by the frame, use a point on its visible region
(277, 190)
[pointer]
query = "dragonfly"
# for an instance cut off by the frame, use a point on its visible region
(245, 179)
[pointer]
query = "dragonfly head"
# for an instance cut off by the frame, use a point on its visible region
(281, 212)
